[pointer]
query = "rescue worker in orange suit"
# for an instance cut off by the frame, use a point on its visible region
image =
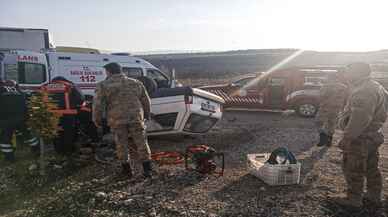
(332, 100)
(74, 122)
(78, 101)
(362, 119)
(13, 114)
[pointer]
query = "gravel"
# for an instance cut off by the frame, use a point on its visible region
(97, 191)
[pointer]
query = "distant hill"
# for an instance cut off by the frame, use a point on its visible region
(222, 64)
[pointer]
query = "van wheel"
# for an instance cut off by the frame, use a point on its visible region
(307, 110)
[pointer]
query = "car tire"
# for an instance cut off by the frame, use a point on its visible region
(307, 110)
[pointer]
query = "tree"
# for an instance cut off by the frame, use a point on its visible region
(42, 120)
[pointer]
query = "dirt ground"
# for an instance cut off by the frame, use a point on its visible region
(94, 190)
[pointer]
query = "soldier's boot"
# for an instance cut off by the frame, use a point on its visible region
(374, 203)
(354, 179)
(374, 183)
(147, 169)
(126, 170)
(323, 139)
(351, 202)
(373, 199)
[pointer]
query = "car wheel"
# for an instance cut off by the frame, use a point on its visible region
(307, 110)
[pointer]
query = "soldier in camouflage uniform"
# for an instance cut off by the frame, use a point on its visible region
(126, 104)
(361, 121)
(332, 100)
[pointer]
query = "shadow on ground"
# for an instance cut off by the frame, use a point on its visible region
(330, 208)
(248, 196)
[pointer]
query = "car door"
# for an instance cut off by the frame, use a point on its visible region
(160, 78)
(276, 92)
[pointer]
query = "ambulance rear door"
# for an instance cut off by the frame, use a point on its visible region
(28, 68)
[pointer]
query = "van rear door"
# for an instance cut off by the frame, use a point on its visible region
(29, 69)
(276, 94)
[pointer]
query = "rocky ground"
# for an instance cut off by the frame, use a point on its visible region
(92, 189)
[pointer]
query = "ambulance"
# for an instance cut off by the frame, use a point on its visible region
(176, 109)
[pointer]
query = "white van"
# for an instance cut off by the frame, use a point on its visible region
(86, 70)
(176, 109)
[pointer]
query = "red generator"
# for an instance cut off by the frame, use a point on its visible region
(204, 160)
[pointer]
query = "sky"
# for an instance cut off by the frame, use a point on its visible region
(205, 25)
